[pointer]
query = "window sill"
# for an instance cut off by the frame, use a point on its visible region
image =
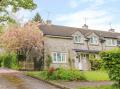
(79, 43)
(94, 44)
(111, 45)
(59, 62)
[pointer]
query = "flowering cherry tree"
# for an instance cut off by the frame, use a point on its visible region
(26, 40)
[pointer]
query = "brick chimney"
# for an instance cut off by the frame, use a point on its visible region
(85, 26)
(111, 30)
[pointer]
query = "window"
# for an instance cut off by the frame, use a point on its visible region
(59, 57)
(111, 42)
(118, 43)
(94, 40)
(78, 39)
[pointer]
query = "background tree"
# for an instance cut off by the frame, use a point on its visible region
(26, 40)
(16, 5)
(37, 18)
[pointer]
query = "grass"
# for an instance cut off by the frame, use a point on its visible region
(96, 87)
(89, 75)
(37, 74)
(96, 75)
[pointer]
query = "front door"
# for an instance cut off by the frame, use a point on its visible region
(82, 61)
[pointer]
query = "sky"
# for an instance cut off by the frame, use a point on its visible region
(99, 14)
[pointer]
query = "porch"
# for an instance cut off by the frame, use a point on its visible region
(82, 58)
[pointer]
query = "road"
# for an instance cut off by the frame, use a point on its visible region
(10, 79)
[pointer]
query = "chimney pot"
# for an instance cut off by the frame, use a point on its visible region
(111, 30)
(85, 26)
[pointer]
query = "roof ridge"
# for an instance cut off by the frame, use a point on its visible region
(68, 31)
(84, 29)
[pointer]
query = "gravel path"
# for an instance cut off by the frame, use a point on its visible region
(4, 84)
(16, 80)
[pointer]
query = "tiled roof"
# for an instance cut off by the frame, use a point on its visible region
(56, 30)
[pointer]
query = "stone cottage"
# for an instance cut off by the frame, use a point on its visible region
(70, 46)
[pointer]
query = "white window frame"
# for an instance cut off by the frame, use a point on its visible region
(112, 42)
(95, 40)
(79, 39)
(61, 54)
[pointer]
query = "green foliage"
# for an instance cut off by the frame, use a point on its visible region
(63, 74)
(1, 28)
(70, 61)
(48, 61)
(96, 64)
(16, 5)
(9, 60)
(96, 75)
(87, 75)
(26, 4)
(37, 18)
(112, 63)
(97, 87)
(0, 62)
(7, 18)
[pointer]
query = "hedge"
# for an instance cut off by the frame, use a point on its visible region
(111, 61)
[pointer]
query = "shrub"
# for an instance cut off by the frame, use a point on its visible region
(96, 64)
(0, 62)
(64, 74)
(111, 61)
(48, 61)
(9, 60)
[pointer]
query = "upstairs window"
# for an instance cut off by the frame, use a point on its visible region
(94, 40)
(111, 42)
(78, 39)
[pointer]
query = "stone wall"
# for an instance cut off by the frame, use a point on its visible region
(66, 45)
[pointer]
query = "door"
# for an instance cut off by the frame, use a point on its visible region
(80, 66)
(82, 61)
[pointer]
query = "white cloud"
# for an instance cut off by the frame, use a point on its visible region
(96, 18)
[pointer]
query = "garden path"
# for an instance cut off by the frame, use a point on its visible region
(76, 84)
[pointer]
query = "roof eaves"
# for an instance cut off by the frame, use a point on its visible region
(58, 36)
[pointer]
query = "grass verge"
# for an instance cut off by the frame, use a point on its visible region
(97, 87)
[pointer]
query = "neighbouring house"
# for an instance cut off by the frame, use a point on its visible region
(70, 46)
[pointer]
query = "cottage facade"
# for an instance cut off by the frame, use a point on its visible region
(72, 47)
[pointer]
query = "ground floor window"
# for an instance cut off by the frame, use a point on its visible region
(58, 57)
(88, 56)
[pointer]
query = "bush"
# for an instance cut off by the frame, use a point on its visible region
(64, 74)
(48, 61)
(96, 64)
(9, 60)
(0, 62)
(111, 61)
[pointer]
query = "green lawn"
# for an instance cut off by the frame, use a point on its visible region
(98, 87)
(96, 75)
(89, 75)
(37, 74)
